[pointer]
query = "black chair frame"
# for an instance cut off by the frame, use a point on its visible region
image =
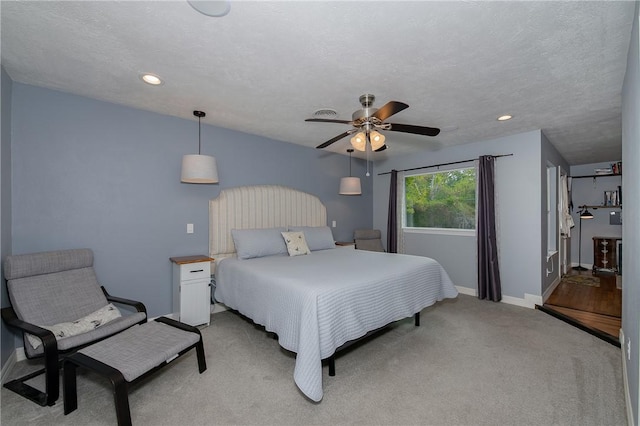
(53, 358)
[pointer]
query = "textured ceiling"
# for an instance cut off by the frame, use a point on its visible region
(267, 66)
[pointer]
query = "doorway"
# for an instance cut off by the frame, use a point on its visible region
(588, 299)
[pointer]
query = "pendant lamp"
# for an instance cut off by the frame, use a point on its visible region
(199, 168)
(350, 185)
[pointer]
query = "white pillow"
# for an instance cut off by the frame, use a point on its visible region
(318, 237)
(82, 325)
(259, 242)
(296, 244)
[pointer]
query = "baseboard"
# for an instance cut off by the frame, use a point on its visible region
(218, 307)
(20, 355)
(588, 266)
(467, 290)
(625, 379)
(529, 301)
(551, 288)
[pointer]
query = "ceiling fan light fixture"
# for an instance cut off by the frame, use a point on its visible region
(368, 121)
(359, 141)
(377, 140)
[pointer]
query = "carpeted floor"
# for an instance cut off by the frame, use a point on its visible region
(471, 362)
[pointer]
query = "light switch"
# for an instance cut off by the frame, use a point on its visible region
(333, 224)
(189, 228)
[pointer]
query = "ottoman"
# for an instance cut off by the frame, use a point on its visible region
(130, 356)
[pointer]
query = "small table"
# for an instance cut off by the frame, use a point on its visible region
(153, 345)
(346, 244)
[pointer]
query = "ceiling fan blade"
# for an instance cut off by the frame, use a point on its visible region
(328, 120)
(388, 109)
(418, 130)
(332, 140)
(382, 148)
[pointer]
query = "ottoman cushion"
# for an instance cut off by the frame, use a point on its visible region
(141, 348)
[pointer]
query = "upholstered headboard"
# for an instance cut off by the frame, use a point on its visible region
(259, 206)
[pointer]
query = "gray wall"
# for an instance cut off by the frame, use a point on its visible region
(631, 216)
(6, 344)
(518, 185)
(93, 174)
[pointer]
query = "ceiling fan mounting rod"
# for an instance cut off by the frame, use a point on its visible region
(366, 100)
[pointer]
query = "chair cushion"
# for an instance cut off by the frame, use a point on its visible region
(58, 297)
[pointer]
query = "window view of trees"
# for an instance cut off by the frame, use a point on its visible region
(441, 200)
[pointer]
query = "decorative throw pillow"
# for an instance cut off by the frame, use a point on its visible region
(296, 244)
(82, 325)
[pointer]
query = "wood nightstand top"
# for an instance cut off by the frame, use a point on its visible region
(191, 259)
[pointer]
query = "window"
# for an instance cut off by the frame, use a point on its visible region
(441, 199)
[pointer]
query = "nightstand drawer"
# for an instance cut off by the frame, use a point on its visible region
(193, 271)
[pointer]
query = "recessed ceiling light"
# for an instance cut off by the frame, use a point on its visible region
(152, 79)
(505, 117)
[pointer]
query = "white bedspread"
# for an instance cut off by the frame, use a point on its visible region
(317, 302)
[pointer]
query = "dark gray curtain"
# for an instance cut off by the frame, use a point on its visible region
(488, 270)
(392, 219)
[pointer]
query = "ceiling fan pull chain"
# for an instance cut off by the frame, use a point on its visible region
(368, 148)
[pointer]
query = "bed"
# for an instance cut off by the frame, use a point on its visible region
(317, 302)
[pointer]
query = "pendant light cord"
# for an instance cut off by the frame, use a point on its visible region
(199, 143)
(199, 114)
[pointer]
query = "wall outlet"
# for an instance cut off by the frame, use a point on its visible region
(189, 228)
(333, 224)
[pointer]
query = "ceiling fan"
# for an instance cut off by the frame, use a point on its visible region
(368, 121)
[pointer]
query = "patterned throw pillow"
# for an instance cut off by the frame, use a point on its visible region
(82, 325)
(296, 244)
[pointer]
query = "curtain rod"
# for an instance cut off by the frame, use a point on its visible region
(444, 164)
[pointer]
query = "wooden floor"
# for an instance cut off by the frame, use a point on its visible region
(597, 310)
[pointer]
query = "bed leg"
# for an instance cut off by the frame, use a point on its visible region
(417, 319)
(332, 365)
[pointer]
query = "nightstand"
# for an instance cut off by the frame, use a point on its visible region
(192, 289)
(346, 244)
